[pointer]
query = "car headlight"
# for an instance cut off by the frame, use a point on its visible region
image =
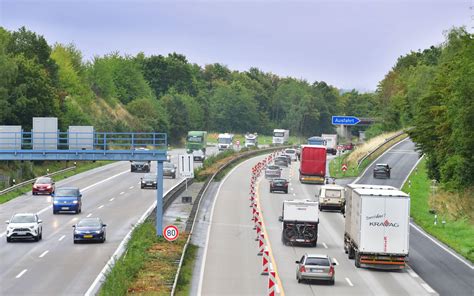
(143, 182)
(32, 227)
(55, 202)
(75, 202)
(97, 231)
(172, 171)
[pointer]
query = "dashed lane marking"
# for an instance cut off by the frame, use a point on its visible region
(122, 193)
(349, 282)
(100, 207)
(325, 246)
(61, 238)
(131, 187)
(21, 273)
(89, 215)
(43, 254)
(112, 199)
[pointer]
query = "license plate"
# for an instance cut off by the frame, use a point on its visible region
(300, 240)
(88, 236)
(64, 208)
(316, 270)
(21, 233)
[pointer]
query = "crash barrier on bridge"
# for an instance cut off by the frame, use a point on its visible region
(377, 149)
(31, 181)
(197, 203)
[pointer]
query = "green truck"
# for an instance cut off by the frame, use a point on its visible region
(196, 142)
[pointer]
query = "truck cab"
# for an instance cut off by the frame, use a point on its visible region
(251, 140)
(332, 197)
(196, 142)
(280, 136)
(225, 141)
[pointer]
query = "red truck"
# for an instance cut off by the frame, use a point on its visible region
(313, 164)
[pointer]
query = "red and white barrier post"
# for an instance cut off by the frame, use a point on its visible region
(261, 244)
(272, 286)
(265, 261)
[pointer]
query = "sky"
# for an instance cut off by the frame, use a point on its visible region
(348, 44)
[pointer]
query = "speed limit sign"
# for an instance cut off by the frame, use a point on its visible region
(170, 233)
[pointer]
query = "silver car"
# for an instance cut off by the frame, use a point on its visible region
(315, 267)
(272, 171)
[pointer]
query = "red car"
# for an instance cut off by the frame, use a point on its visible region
(43, 185)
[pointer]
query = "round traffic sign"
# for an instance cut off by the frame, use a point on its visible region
(170, 233)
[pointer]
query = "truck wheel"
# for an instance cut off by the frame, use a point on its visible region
(350, 253)
(313, 244)
(357, 260)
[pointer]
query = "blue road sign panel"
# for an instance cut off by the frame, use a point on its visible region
(345, 120)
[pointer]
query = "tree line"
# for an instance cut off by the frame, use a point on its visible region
(430, 90)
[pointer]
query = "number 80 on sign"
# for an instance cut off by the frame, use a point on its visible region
(170, 233)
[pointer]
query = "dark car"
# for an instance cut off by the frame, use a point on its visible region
(67, 199)
(43, 185)
(169, 169)
(140, 166)
(148, 181)
(382, 170)
(89, 229)
(281, 161)
(279, 185)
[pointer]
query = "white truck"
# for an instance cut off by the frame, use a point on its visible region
(377, 227)
(251, 140)
(331, 143)
(280, 136)
(331, 197)
(225, 141)
(300, 220)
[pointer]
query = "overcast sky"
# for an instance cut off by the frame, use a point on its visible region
(349, 44)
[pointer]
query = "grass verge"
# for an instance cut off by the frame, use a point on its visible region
(81, 167)
(456, 233)
(183, 286)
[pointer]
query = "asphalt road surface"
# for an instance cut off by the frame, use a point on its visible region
(56, 266)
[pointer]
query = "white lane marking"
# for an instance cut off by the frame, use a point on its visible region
(335, 261)
(325, 246)
(105, 180)
(441, 246)
(44, 253)
(349, 282)
(61, 238)
(428, 288)
(2, 234)
(122, 193)
(100, 207)
(294, 194)
(206, 245)
(21, 273)
(292, 189)
(89, 215)
(131, 187)
(412, 273)
(112, 199)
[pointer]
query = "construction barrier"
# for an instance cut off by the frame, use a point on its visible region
(265, 261)
(272, 286)
(261, 244)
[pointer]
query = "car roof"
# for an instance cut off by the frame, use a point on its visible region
(381, 164)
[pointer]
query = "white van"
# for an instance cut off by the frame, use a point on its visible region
(291, 153)
(331, 196)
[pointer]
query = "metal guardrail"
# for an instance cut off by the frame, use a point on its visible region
(193, 215)
(361, 160)
(31, 181)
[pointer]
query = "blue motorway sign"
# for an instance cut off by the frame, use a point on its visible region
(345, 120)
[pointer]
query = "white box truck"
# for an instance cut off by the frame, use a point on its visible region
(331, 143)
(331, 197)
(225, 141)
(251, 140)
(377, 228)
(300, 219)
(280, 136)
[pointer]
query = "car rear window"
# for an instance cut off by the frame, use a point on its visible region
(333, 193)
(317, 261)
(168, 165)
(272, 167)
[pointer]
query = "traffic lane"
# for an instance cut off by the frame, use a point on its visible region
(231, 265)
(442, 271)
(401, 158)
(119, 214)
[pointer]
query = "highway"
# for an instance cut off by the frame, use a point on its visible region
(230, 266)
(56, 266)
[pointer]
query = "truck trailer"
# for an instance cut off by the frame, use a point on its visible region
(331, 143)
(300, 219)
(377, 228)
(313, 164)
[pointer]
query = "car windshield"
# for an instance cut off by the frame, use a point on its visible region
(273, 167)
(224, 140)
(317, 261)
(149, 177)
(250, 140)
(290, 151)
(43, 181)
(88, 223)
(168, 165)
(278, 134)
(333, 193)
(66, 192)
(195, 139)
(23, 219)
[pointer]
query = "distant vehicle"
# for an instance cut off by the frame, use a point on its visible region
(347, 147)
(313, 164)
(316, 141)
(89, 229)
(315, 267)
(43, 185)
(279, 185)
(148, 181)
(280, 136)
(298, 152)
(196, 143)
(24, 226)
(382, 170)
(300, 220)
(331, 143)
(377, 227)
(67, 199)
(225, 141)
(272, 171)
(169, 170)
(331, 197)
(251, 140)
(140, 166)
(291, 153)
(281, 161)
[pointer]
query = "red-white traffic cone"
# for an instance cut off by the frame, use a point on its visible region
(261, 244)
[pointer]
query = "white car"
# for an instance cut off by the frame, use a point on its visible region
(291, 153)
(24, 226)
